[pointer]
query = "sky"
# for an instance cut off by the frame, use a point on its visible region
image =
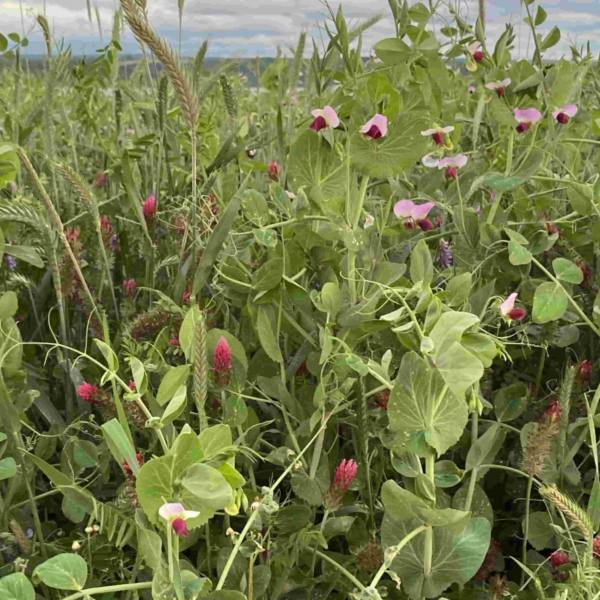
(249, 28)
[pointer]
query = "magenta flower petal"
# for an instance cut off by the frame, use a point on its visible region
(403, 209)
(420, 211)
(527, 115)
(376, 123)
(507, 306)
(458, 161)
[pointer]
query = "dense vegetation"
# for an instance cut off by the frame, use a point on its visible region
(332, 336)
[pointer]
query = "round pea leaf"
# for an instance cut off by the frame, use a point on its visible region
(63, 572)
(567, 271)
(16, 587)
(550, 303)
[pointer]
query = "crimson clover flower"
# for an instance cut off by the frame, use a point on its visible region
(342, 479)
(559, 558)
(414, 214)
(526, 117)
(376, 127)
(149, 207)
(438, 133)
(129, 287)
(273, 169)
(324, 118)
(498, 86)
(88, 392)
(176, 516)
(222, 361)
(563, 114)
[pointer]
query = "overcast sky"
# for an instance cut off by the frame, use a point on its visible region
(247, 28)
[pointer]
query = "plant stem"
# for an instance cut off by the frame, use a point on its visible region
(108, 589)
(474, 471)
(339, 567)
(526, 526)
(428, 544)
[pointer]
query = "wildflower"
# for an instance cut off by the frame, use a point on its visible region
(369, 221)
(100, 180)
(11, 262)
(584, 371)
(88, 392)
(176, 516)
(452, 164)
(324, 118)
(376, 127)
(106, 229)
(489, 562)
(149, 207)
(471, 89)
(476, 52)
(274, 169)
(559, 558)
(251, 152)
(89, 530)
(382, 399)
(414, 214)
(129, 287)
(498, 86)
(508, 309)
(131, 385)
(551, 228)
(596, 547)
(128, 470)
(186, 296)
(73, 235)
(437, 133)
(553, 412)
(75, 546)
(526, 117)
(174, 341)
(587, 273)
(222, 363)
(563, 114)
(342, 479)
(445, 254)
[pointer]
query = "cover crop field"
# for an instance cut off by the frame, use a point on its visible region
(331, 332)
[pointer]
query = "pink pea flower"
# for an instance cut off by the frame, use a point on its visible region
(149, 207)
(414, 214)
(324, 118)
(559, 558)
(129, 287)
(476, 51)
(438, 133)
(176, 516)
(376, 127)
(471, 89)
(87, 392)
(510, 311)
(273, 169)
(452, 164)
(526, 117)
(222, 362)
(342, 479)
(498, 86)
(565, 113)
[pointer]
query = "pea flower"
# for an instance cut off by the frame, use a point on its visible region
(369, 221)
(476, 52)
(149, 207)
(414, 214)
(324, 118)
(471, 89)
(375, 127)
(452, 164)
(563, 114)
(437, 133)
(342, 479)
(176, 516)
(526, 117)
(498, 86)
(509, 310)
(445, 254)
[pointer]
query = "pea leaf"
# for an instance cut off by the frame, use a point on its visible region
(16, 587)
(567, 271)
(550, 303)
(63, 572)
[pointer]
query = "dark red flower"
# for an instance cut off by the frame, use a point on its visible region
(274, 169)
(558, 558)
(88, 392)
(584, 371)
(517, 314)
(180, 528)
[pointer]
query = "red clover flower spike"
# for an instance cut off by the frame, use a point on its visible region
(342, 479)
(222, 361)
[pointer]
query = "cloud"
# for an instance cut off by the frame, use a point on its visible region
(251, 27)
